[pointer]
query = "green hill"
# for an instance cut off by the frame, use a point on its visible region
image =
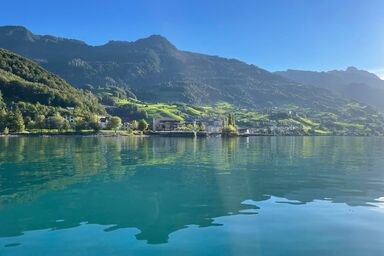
(22, 80)
(30, 92)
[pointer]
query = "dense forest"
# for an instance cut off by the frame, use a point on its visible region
(34, 98)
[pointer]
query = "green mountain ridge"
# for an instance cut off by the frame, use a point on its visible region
(156, 71)
(151, 78)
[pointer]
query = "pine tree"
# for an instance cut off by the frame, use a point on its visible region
(19, 121)
(231, 119)
(225, 122)
(15, 121)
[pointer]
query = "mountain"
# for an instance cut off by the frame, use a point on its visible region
(353, 83)
(23, 81)
(156, 71)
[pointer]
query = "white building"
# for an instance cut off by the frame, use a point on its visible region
(103, 121)
(69, 118)
(126, 126)
(165, 124)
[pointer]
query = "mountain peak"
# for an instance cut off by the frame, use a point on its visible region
(156, 41)
(20, 33)
(17, 33)
(351, 69)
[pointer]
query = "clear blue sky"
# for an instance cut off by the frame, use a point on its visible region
(273, 34)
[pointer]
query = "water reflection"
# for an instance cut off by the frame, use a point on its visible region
(160, 185)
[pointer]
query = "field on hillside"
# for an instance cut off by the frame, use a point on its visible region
(321, 123)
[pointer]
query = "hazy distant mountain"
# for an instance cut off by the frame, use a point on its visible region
(155, 70)
(352, 82)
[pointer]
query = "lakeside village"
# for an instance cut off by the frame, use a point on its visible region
(165, 126)
(170, 127)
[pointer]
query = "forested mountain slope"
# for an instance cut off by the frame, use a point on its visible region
(25, 81)
(156, 71)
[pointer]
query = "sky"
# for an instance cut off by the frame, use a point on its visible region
(272, 34)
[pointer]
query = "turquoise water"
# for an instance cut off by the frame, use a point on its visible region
(183, 196)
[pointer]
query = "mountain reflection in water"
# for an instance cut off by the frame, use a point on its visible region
(161, 185)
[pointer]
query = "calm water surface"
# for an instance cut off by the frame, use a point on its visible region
(176, 196)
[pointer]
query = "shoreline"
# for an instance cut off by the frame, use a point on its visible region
(74, 134)
(120, 134)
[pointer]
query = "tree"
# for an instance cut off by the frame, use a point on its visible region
(231, 119)
(6, 131)
(31, 124)
(95, 126)
(80, 124)
(224, 122)
(19, 121)
(92, 122)
(142, 125)
(229, 131)
(114, 123)
(15, 121)
(55, 122)
(3, 119)
(66, 125)
(229, 128)
(40, 122)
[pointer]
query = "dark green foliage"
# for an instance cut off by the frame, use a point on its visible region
(33, 97)
(3, 119)
(92, 122)
(55, 122)
(2, 103)
(114, 123)
(142, 125)
(24, 80)
(14, 121)
(128, 112)
(39, 122)
(231, 119)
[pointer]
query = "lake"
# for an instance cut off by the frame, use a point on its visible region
(185, 196)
